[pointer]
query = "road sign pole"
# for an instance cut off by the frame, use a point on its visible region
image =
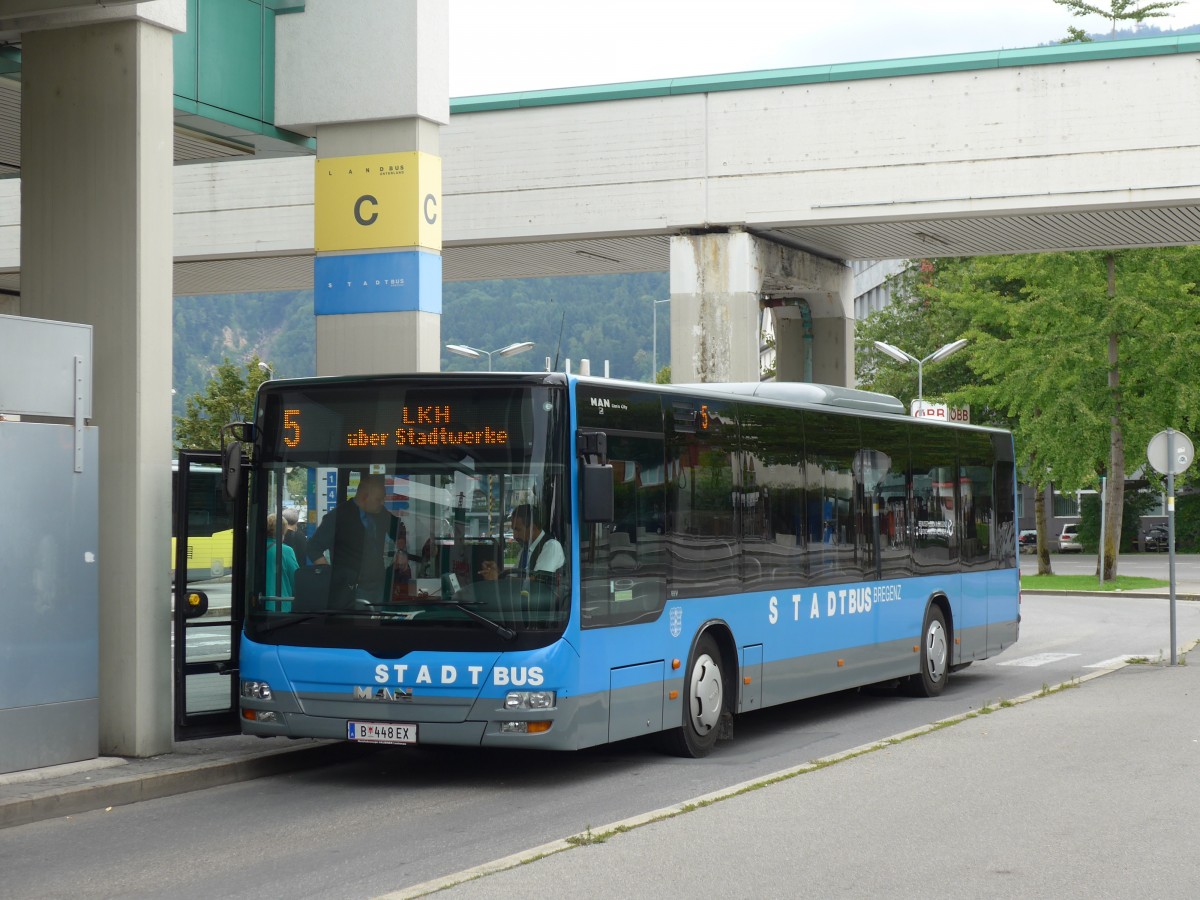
(1171, 530)
(1170, 452)
(1103, 496)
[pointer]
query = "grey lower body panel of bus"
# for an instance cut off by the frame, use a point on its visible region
(637, 703)
(468, 722)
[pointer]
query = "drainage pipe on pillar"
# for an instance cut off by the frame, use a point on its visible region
(806, 318)
(800, 305)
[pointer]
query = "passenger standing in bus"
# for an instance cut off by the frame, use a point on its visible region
(296, 537)
(281, 562)
(355, 534)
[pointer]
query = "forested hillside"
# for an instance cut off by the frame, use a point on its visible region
(598, 318)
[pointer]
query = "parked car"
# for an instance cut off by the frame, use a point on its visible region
(1068, 541)
(1156, 538)
(1027, 541)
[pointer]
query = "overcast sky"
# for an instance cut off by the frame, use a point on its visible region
(498, 46)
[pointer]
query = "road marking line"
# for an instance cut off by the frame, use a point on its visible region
(1038, 659)
(1117, 661)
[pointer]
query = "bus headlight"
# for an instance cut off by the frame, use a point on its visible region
(529, 700)
(256, 690)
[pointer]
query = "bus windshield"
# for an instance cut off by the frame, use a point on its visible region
(423, 510)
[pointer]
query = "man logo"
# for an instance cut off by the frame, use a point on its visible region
(676, 621)
(389, 695)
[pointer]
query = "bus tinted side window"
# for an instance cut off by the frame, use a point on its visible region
(773, 536)
(884, 477)
(1004, 497)
(625, 565)
(978, 507)
(935, 517)
(702, 527)
(831, 509)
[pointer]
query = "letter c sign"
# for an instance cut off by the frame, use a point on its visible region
(358, 210)
(430, 209)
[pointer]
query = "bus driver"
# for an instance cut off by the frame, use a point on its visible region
(539, 551)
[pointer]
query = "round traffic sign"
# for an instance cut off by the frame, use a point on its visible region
(1181, 450)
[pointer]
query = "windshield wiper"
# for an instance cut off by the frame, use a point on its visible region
(297, 618)
(502, 630)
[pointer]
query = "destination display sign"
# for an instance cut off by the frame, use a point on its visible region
(335, 420)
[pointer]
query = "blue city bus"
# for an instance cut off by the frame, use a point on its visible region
(725, 547)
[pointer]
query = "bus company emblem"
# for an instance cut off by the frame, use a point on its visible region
(676, 621)
(389, 695)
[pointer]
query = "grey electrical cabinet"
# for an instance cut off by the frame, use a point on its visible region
(49, 555)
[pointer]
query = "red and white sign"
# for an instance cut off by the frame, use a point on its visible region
(940, 411)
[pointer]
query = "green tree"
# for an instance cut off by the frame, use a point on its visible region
(1088, 354)
(927, 317)
(918, 322)
(1082, 355)
(1137, 504)
(1118, 11)
(228, 397)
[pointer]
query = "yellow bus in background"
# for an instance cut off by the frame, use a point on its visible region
(210, 527)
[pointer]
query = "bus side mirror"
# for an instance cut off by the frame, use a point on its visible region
(232, 475)
(231, 469)
(597, 493)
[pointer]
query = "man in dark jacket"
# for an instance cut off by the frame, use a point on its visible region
(351, 539)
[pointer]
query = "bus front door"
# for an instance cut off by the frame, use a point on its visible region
(207, 582)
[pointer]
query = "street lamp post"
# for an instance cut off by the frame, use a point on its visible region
(475, 353)
(936, 356)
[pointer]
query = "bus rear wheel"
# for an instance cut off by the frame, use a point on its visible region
(703, 704)
(935, 656)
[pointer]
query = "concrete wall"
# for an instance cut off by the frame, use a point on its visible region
(1026, 139)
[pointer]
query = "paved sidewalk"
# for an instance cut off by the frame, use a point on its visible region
(1090, 792)
(38, 794)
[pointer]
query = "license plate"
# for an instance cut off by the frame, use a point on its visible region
(382, 732)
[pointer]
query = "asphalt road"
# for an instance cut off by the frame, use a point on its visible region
(395, 817)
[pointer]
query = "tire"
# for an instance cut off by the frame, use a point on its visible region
(704, 701)
(935, 656)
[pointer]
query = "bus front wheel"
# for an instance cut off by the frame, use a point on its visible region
(703, 704)
(935, 656)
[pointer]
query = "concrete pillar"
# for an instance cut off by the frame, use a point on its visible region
(719, 284)
(96, 247)
(375, 98)
(833, 329)
(404, 339)
(714, 308)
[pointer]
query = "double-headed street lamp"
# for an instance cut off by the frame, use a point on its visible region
(474, 353)
(936, 356)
